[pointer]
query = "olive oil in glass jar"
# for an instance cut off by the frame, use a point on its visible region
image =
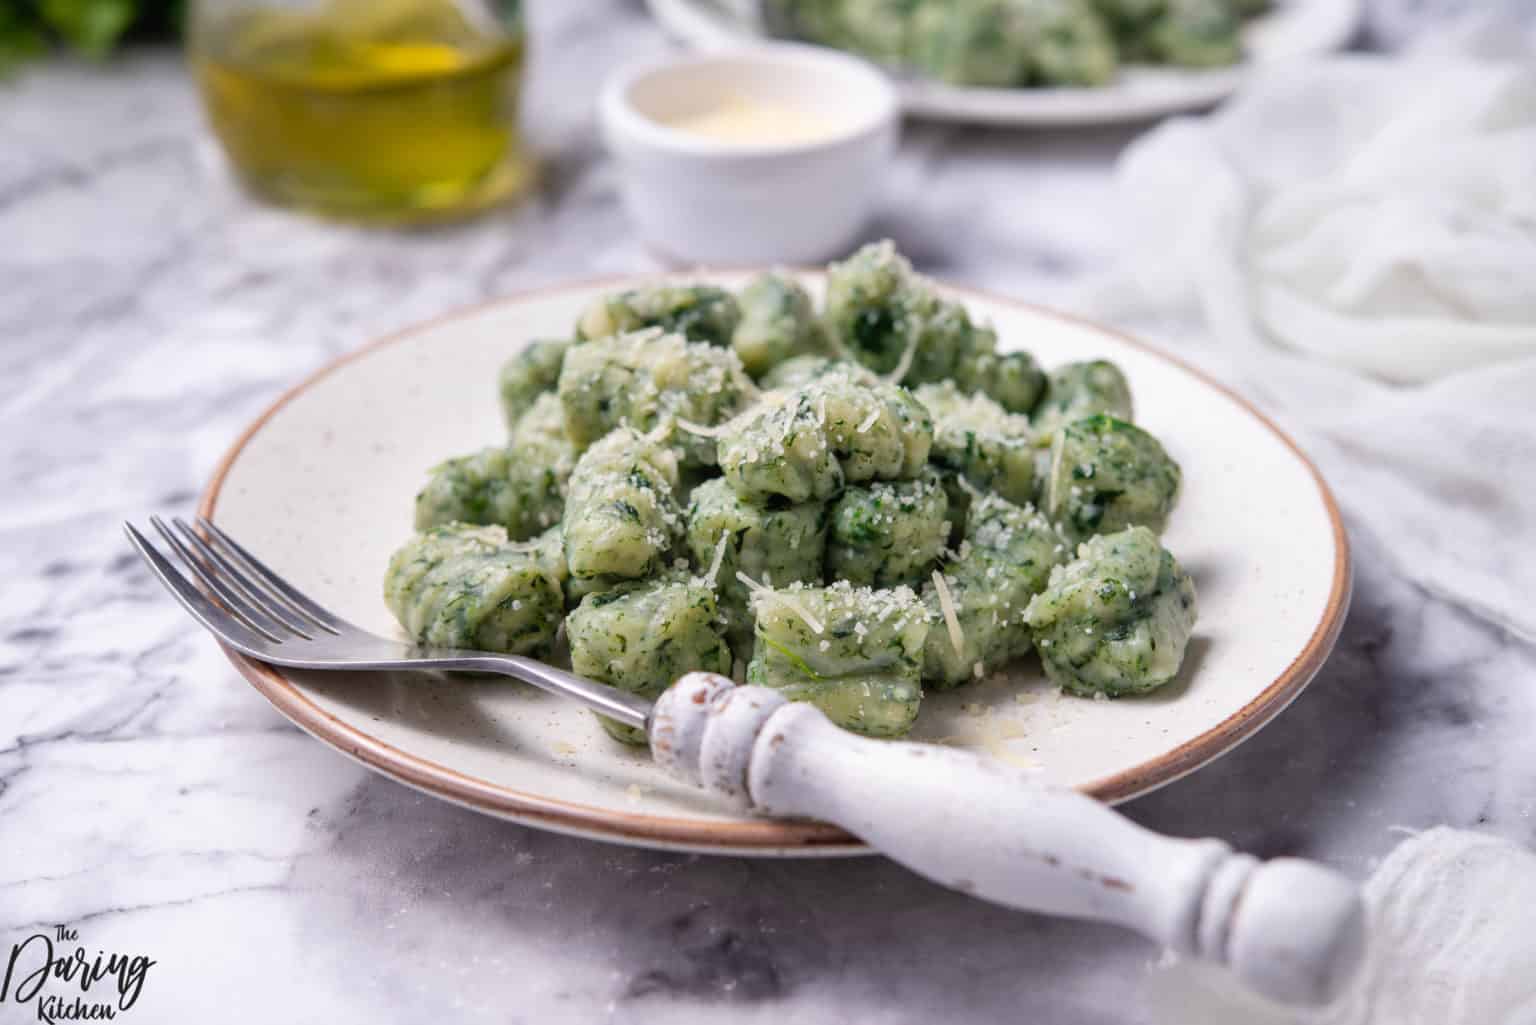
(379, 110)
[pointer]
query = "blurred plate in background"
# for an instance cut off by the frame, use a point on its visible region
(1294, 29)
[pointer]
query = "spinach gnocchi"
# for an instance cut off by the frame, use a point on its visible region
(1116, 619)
(464, 586)
(888, 532)
(649, 379)
(775, 544)
(1078, 390)
(621, 513)
(1021, 43)
(642, 636)
(888, 318)
(977, 600)
(854, 652)
(810, 442)
(529, 375)
(700, 313)
(1105, 475)
(827, 531)
(778, 323)
(979, 440)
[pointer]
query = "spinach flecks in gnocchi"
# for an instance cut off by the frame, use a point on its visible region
(1196, 34)
(543, 423)
(982, 442)
(1078, 390)
(1116, 619)
(529, 374)
(887, 317)
(648, 379)
(776, 544)
(520, 487)
(641, 637)
(621, 513)
(853, 540)
(806, 444)
(796, 371)
(1106, 475)
(463, 586)
(977, 604)
(854, 652)
(888, 532)
(700, 313)
(1001, 44)
(778, 323)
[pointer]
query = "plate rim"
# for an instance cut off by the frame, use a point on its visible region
(762, 836)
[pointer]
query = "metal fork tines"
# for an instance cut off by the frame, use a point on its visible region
(251, 608)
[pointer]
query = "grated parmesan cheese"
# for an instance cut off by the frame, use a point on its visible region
(947, 606)
(700, 429)
(786, 600)
(712, 574)
(904, 364)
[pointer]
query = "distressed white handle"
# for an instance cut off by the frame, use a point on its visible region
(1290, 929)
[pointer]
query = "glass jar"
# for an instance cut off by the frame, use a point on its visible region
(379, 110)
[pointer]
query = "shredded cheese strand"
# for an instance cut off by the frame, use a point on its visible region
(714, 564)
(947, 606)
(700, 429)
(784, 599)
(904, 364)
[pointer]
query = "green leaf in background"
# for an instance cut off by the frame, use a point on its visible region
(90, 26)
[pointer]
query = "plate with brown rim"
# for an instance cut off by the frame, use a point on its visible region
(321, 487)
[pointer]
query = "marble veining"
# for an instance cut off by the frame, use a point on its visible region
(154, 803)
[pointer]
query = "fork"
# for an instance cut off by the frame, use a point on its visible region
(1289, 929)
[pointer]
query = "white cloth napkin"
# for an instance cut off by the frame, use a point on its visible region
(1453, 942)
(1359, 235)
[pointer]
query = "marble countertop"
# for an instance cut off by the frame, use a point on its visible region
(154, 803)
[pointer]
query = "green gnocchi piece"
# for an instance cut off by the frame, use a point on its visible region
(1078, 390)
(976, 438)
(1073, 45)
(646, 379)
(1002, 43)
(806, 444)
(880, 311)
(973, 42)
(888, 532)
(1105, 475)
(1005, 559)
(854, 652)
(877, 29)
(640, 637)
(700, 313)
(621, 513)
(529, 374)
(511, 486)
(463, 586)
(1117, 619)
(798, 371)
(772, 544)
(778, 322)
(543, 425)
(1197, 34)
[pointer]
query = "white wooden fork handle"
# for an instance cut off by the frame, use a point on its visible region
(1290, 929)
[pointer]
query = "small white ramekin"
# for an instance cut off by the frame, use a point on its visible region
(702, 200)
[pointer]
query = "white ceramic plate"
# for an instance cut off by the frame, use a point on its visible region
(1295, 28)
(322, 484)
